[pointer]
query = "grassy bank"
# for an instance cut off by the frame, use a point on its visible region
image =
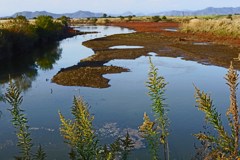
(219, 27)
(19, 35)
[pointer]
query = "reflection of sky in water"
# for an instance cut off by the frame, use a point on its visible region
(125, 47)
(124, 103)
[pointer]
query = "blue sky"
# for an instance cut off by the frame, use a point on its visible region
(9, 7)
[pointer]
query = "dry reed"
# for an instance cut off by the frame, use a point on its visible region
(222, 27)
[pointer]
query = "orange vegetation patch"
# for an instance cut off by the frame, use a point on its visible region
(147, 26)
(159, 26)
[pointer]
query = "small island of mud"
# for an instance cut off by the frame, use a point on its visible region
(87, 76)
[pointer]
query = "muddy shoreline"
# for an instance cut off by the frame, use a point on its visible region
(163, 43)
(166, 44)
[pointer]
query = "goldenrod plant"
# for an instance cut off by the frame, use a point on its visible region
(225, 144)
(80, 136)
(79, 132)
(150, 133)
(19, 120)
(156, 86)
(14, 98)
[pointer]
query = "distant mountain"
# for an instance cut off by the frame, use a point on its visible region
(127, 13)
(35, 14)
(222, 11)
(140, 14)
(206, 11)
(78, 14)
(85, 14)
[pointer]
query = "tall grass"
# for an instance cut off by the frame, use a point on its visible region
(221, 27)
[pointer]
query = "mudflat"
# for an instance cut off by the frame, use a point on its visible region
(163, 43)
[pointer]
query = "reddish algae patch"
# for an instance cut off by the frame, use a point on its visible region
(147, 26)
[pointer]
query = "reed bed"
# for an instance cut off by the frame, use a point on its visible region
(221, 27)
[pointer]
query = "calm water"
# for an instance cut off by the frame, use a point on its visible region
(116, 109)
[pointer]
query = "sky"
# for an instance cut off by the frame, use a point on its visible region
(9, 7)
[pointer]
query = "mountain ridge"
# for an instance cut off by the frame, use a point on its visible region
(86, 14)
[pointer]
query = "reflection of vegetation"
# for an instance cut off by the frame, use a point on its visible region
(20, 122)
(46, 61)
(225, 145)
(156, 136)
(23, 69)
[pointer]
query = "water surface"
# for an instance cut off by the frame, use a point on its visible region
(116, 109)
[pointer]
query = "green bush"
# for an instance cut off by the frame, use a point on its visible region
(46, 27)
(64, 20)
(122, 18)
(229, 16)
(164, 18)
(129, 17)
(156, 18)
(104, 15)
(17, 35)
(95, 20)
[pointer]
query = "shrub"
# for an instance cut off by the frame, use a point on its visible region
(129, 17)
(95, 20)
(164, 18)
(229, 16)
(64, 20)
(18, 35)
(104, 15)
(156, 18)
(46, 27)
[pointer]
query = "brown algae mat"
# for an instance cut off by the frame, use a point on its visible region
(157, 42)
(87, 76)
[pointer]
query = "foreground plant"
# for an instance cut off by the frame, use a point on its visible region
(79, 132)
(225, 145)
(159, 135)
(80, 136)
(20, 122)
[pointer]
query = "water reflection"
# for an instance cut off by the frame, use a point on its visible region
(24, 68)
(46, 60)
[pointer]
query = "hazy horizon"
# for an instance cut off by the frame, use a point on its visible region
(9, 7)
